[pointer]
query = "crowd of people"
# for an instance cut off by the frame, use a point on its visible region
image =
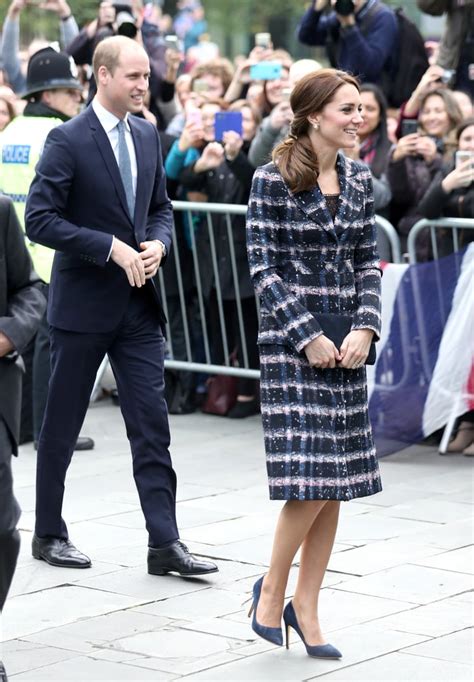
(418, 153)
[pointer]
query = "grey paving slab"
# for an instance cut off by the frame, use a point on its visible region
(88, 634)
(20, 656)
(434, 620)
(398, 667)
(85, 668)
(187, 517)
(356, 643)
(185, 666)
(373, 526)
(431, 509)
(459, 560)
(380, 555)
(448, 536)
(135, 582)
(410, 583)
(205, 603)
(30, 613)
(456, 647)
(33, 576)
(234, 530)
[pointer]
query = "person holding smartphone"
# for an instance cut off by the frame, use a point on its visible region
(451, 194)
(416, 159)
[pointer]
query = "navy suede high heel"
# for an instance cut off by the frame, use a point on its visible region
(273, 635)
(316, 651)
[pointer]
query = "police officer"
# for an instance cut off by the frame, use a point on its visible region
(53, 93)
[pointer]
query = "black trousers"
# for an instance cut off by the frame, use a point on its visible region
(9, 515)
(136, 353)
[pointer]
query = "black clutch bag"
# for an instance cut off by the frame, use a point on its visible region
(337, 327)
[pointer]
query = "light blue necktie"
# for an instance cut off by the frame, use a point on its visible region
(125, 168)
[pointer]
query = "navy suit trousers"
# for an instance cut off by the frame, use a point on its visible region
(136, 353)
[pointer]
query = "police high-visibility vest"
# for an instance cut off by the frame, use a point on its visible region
(21, 144)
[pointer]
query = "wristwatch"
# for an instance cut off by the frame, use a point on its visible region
(163, 247)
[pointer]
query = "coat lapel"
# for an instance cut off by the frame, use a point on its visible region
(351, 195)
(313, 204)
(105, 149)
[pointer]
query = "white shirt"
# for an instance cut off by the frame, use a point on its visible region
(109, 123)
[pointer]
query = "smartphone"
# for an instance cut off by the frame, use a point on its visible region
(409, 126)
(461, 157)
(447, 75)
(225, 121)
(172, 42)
(286, 94)
(194, 116)
(265, 71)
(200, 85)
(263, 40)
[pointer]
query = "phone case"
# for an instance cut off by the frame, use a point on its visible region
(227, 120)
(265, 71)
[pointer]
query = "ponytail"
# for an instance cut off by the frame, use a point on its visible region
(297, 162)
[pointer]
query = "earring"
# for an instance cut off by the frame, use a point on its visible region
(316, 125)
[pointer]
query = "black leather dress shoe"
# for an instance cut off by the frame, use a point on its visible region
(3, 673)
(59, 552)
(82, 443)
(176, 558)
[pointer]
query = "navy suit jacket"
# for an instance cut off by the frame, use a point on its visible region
(77, 203)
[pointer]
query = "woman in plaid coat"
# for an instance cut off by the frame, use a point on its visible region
(311, 248)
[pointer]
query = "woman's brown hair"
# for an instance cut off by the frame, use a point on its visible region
(295, 157)
(452, 107)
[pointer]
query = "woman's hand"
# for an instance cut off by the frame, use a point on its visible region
(281, 115)
(462, 176)
(355, 348)
(429, 81)
(322, 353)
(426, 147)
(232, 144)
(211, 157)
(191, 136)
(406, 146)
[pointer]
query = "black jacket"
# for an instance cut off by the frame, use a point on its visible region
(22, 306)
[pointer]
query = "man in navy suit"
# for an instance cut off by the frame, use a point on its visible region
(99, 199)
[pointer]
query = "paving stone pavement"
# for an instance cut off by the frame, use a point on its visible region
(397, 598)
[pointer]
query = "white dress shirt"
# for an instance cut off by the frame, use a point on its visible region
(109, 123)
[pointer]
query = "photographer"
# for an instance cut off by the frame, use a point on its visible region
(10, 51)
(360, 36)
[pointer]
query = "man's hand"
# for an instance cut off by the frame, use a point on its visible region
(6, 346)
(322, 353)
(129, 260)
(151, 255)
(355, 348)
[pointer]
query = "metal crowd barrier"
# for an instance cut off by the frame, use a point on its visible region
(186, 359)
(440, 224)
(435, 227)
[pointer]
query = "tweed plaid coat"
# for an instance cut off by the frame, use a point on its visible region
(318, 439)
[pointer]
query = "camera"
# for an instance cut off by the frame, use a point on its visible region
(126, 25)
(344, 7)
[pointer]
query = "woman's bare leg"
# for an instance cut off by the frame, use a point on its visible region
(296, 519)
(315, 554)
